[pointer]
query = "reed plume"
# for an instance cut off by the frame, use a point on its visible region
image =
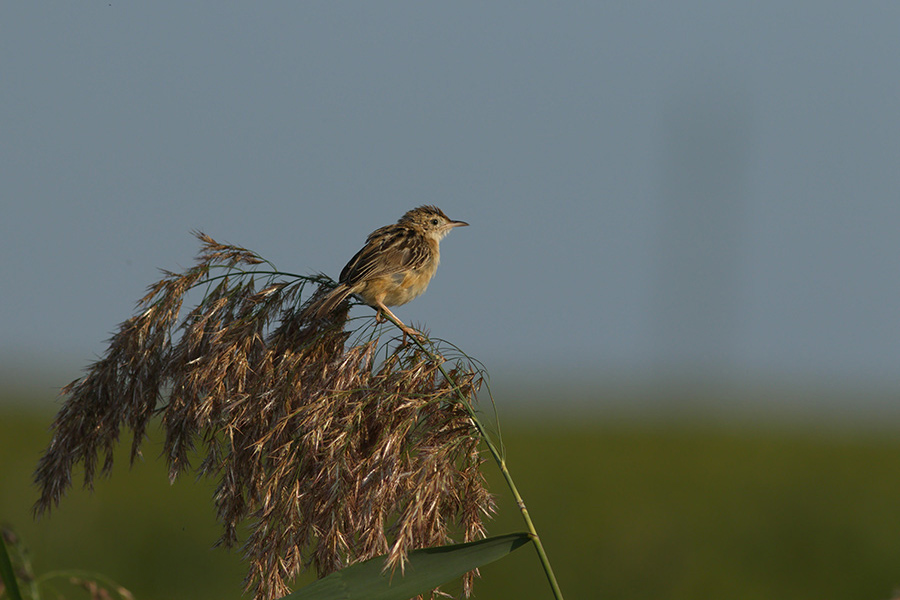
(331, 446)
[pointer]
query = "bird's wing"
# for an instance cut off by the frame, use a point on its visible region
(391, 249)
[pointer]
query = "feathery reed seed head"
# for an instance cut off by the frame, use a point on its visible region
(335, 450)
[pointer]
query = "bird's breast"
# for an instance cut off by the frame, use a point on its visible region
(409, 285)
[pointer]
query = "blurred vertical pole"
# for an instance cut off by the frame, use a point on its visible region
(705, 142)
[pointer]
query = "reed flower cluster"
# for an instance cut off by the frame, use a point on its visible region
(330, 445)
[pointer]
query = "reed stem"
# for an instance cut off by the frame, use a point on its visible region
(498, 458)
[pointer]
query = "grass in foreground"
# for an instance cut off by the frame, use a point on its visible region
(329, 446)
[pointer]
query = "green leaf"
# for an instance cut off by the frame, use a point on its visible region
(7, 574)
(425, 570)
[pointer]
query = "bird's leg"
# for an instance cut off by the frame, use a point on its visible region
(406, 330)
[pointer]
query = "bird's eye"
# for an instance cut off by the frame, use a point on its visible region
(434, 221)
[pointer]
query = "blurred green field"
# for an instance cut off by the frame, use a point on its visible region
(626, 509)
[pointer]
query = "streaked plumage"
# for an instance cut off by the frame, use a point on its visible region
(396, 264)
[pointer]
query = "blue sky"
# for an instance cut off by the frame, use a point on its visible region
(700, 189)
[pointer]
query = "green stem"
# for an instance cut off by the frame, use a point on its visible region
(501, 463)
(7, 575)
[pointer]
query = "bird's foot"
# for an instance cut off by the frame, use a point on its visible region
(412, 333)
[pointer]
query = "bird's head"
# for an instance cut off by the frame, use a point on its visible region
(431, 221)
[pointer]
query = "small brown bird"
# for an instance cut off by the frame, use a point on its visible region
(395, 266)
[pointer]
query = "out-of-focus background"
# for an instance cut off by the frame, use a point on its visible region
(681, 270)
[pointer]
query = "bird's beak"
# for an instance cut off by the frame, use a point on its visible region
(458, 224)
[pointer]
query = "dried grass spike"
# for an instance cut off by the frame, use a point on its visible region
(328, 451)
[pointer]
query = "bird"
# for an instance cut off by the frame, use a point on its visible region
(394, 267)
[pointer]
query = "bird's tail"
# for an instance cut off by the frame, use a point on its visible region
(326, 302)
